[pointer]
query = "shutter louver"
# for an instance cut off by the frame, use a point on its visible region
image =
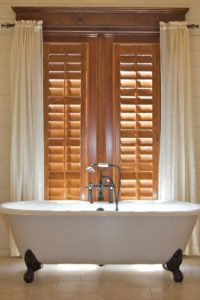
(135, 100)
(65, 89)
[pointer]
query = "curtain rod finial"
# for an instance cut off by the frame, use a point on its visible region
(7, 25)
(193, 26)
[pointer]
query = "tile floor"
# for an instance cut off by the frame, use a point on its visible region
(91, 282)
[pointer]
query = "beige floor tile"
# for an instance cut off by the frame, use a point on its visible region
(13, 292)
(111, 282)
(90, 296)
(128, 293)
(183, 291)
(47, 294)
(78, 286)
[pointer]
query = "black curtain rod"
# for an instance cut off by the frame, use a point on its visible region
(190, 26)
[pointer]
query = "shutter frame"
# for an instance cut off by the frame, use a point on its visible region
(137, 118)
(65, 121)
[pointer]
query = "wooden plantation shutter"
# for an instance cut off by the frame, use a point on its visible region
(65, 82)
(136, 118)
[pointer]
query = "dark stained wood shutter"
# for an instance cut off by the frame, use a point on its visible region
(65, 83)
(136, 118)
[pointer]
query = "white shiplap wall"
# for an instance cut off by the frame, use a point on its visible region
(7, 15)
(5, 47)
(195, 56)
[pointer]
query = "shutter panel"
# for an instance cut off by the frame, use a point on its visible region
(136, 117)
(65, 101)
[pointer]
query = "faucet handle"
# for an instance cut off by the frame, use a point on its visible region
(90, 186)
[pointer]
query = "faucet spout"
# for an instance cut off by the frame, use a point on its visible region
(101, 188)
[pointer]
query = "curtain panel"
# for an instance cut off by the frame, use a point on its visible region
(177, 180)
(27, 140)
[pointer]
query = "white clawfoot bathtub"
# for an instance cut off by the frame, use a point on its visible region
(74, 232)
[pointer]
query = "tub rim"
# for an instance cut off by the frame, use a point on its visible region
(184, 208)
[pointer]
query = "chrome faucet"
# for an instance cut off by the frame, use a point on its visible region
(108, 181)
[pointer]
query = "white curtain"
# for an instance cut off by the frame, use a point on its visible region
(177, 161)
(27, 141)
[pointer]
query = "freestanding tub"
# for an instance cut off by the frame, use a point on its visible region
(76, 232)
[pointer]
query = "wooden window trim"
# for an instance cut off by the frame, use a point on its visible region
(115, 23)
(87, 19)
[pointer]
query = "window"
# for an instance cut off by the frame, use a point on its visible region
(101, 79)
(132, 103)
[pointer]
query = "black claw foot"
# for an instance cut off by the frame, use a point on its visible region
(29, 276)
(173, 265)
(32, 265)
(165, 267)
(178, 276)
